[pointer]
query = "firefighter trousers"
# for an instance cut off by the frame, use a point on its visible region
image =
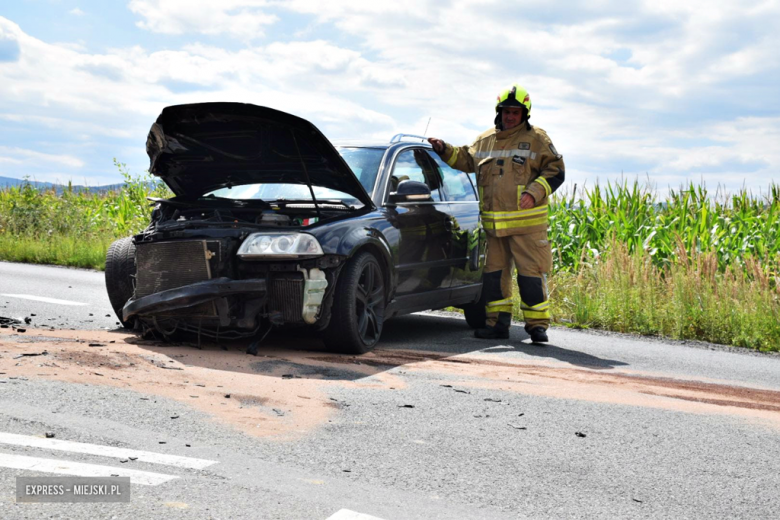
(532, 256)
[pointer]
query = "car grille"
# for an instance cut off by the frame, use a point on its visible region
(169, 265)
(286, 297)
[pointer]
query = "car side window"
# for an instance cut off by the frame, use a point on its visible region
(415, 165)
(457, 184)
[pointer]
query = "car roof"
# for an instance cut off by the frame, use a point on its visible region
(397, 140)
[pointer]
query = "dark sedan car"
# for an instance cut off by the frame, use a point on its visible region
(272, 225)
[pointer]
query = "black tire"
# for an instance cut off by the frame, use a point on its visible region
(475, 312)
(358, 307)
(120, 272)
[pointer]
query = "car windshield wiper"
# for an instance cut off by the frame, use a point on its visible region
(208, 200)
(318, 202)
(235, 202)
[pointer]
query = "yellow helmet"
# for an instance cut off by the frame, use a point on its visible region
(516, 96)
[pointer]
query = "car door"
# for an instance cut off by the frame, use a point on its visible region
(468, 240)
(423, 251)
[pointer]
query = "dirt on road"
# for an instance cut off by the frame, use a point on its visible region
(283, 392)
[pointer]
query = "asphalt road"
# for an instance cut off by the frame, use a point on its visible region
(432, 424)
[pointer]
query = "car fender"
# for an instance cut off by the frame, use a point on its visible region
(358, 239)
(346, 237)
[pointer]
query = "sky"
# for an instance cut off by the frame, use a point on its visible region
(665, 92)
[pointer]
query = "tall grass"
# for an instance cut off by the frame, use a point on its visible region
(74, 227)
(692, 266)
(687, 299)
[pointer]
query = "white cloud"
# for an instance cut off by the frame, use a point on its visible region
(667, 88)
(22, 156)
(242, 19)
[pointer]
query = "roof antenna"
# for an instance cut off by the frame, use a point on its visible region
(426, 127)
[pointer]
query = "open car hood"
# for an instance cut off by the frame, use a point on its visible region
(202, 147)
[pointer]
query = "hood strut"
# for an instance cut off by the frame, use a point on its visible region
(306, 173)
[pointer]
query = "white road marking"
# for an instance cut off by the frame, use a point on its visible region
(79, 469)
(42, 299)
(105, 451)
(346, 514)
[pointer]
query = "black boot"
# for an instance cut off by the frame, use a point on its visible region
(538, 335)
(492, 333)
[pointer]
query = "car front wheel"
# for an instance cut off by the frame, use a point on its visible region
(358, 307)
(120, 270)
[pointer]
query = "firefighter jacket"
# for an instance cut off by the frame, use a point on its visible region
(509, 163)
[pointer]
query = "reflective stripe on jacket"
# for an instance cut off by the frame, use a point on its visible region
(509, 163)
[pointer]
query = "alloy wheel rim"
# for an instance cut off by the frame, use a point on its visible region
(369, 298)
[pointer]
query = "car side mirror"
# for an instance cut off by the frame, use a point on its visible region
(411, 191)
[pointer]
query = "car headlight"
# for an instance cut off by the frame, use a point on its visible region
(279, 245)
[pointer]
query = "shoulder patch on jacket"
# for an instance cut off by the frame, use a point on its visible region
(524, 146)
(554, 151)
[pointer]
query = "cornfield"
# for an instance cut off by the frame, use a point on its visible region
(733, 228)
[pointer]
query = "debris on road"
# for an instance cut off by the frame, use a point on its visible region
(405, 406)
(49, 435)
(516, 427)
(96, 345)
(31, 354)
(580, 434)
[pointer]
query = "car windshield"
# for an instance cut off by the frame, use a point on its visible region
(364, 162)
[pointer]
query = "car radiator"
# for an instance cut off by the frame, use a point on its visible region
(168, 265)
(286, 297)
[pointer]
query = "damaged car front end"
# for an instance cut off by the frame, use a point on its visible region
(265, 215)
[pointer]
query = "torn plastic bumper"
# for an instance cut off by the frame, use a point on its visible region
(190, 295)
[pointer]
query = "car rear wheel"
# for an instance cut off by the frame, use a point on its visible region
(358, 307)
(120, 271)
(475, 312)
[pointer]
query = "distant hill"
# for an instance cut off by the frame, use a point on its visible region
(6, 182)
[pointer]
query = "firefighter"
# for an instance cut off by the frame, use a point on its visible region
(517, 168)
